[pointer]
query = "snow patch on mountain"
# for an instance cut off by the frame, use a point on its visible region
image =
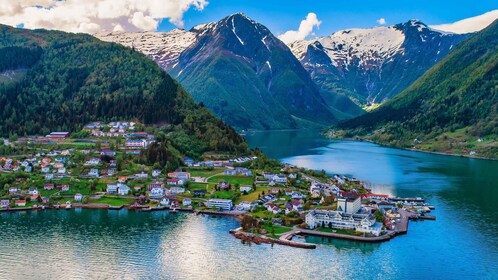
(365, 45)
(162, 47)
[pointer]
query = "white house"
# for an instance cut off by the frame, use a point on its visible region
(112, 188)
(93, 172)
(187, 202)
(246, 206)
(156, 173)
(61, 170)
(165, 201)
(224, 204)
(49, 176)
(4, 203)
(156, 192)
(45, 169)
(176, 190)
(273, 208)
(78, 197)
(245, 188)
(123, 189)
(33, 191)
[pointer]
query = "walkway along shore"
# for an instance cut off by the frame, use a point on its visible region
(256, 238)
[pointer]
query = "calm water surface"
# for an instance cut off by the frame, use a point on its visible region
(101, 244)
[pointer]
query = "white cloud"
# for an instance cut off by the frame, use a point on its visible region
(381, 21)
(90, 16)
(305, 29)
(467, 25)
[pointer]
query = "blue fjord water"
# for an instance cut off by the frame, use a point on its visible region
(99, 244)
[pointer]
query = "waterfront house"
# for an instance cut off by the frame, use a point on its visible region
(223, 204)
(4, 203)
(20, 203)
(187, 202)
(123, 189)
(156, 192)
(246, 206)
(78, 197)
(45, 200)
(112, 188)
(165, 201)
(348, 202)
(340, 220)
(245, 189)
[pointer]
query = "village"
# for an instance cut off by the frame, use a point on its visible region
(101, 170)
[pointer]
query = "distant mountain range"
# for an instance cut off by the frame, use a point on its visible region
(452, 108)
(250, 79)
(371, 66)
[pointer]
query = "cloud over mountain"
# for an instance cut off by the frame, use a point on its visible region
(90, 16)
(305, 29)
(468, 25)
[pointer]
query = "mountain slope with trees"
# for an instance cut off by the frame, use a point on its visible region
(452, 108)
(67, 80)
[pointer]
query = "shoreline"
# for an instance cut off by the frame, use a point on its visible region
(411, 149)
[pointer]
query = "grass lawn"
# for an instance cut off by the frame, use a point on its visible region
(203, 172)
(253, 196)
(223, 194)
(241, 180)
(276, 230)
(114, 201)
(197, 186)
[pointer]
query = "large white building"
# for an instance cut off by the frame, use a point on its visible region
(340, 220)
(224, 204)
(348, 203)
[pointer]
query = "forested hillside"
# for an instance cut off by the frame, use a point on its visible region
(51, 80)
(452, 108)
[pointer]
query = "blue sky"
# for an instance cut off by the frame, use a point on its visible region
(280, 16)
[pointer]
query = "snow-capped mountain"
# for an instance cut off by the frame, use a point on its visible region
(239, 70)
(372, 65)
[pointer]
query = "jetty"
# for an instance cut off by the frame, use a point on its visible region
(258, 239)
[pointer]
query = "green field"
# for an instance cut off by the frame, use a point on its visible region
(114, 201)
(241, 180)
(253, 196)
(203, 172)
